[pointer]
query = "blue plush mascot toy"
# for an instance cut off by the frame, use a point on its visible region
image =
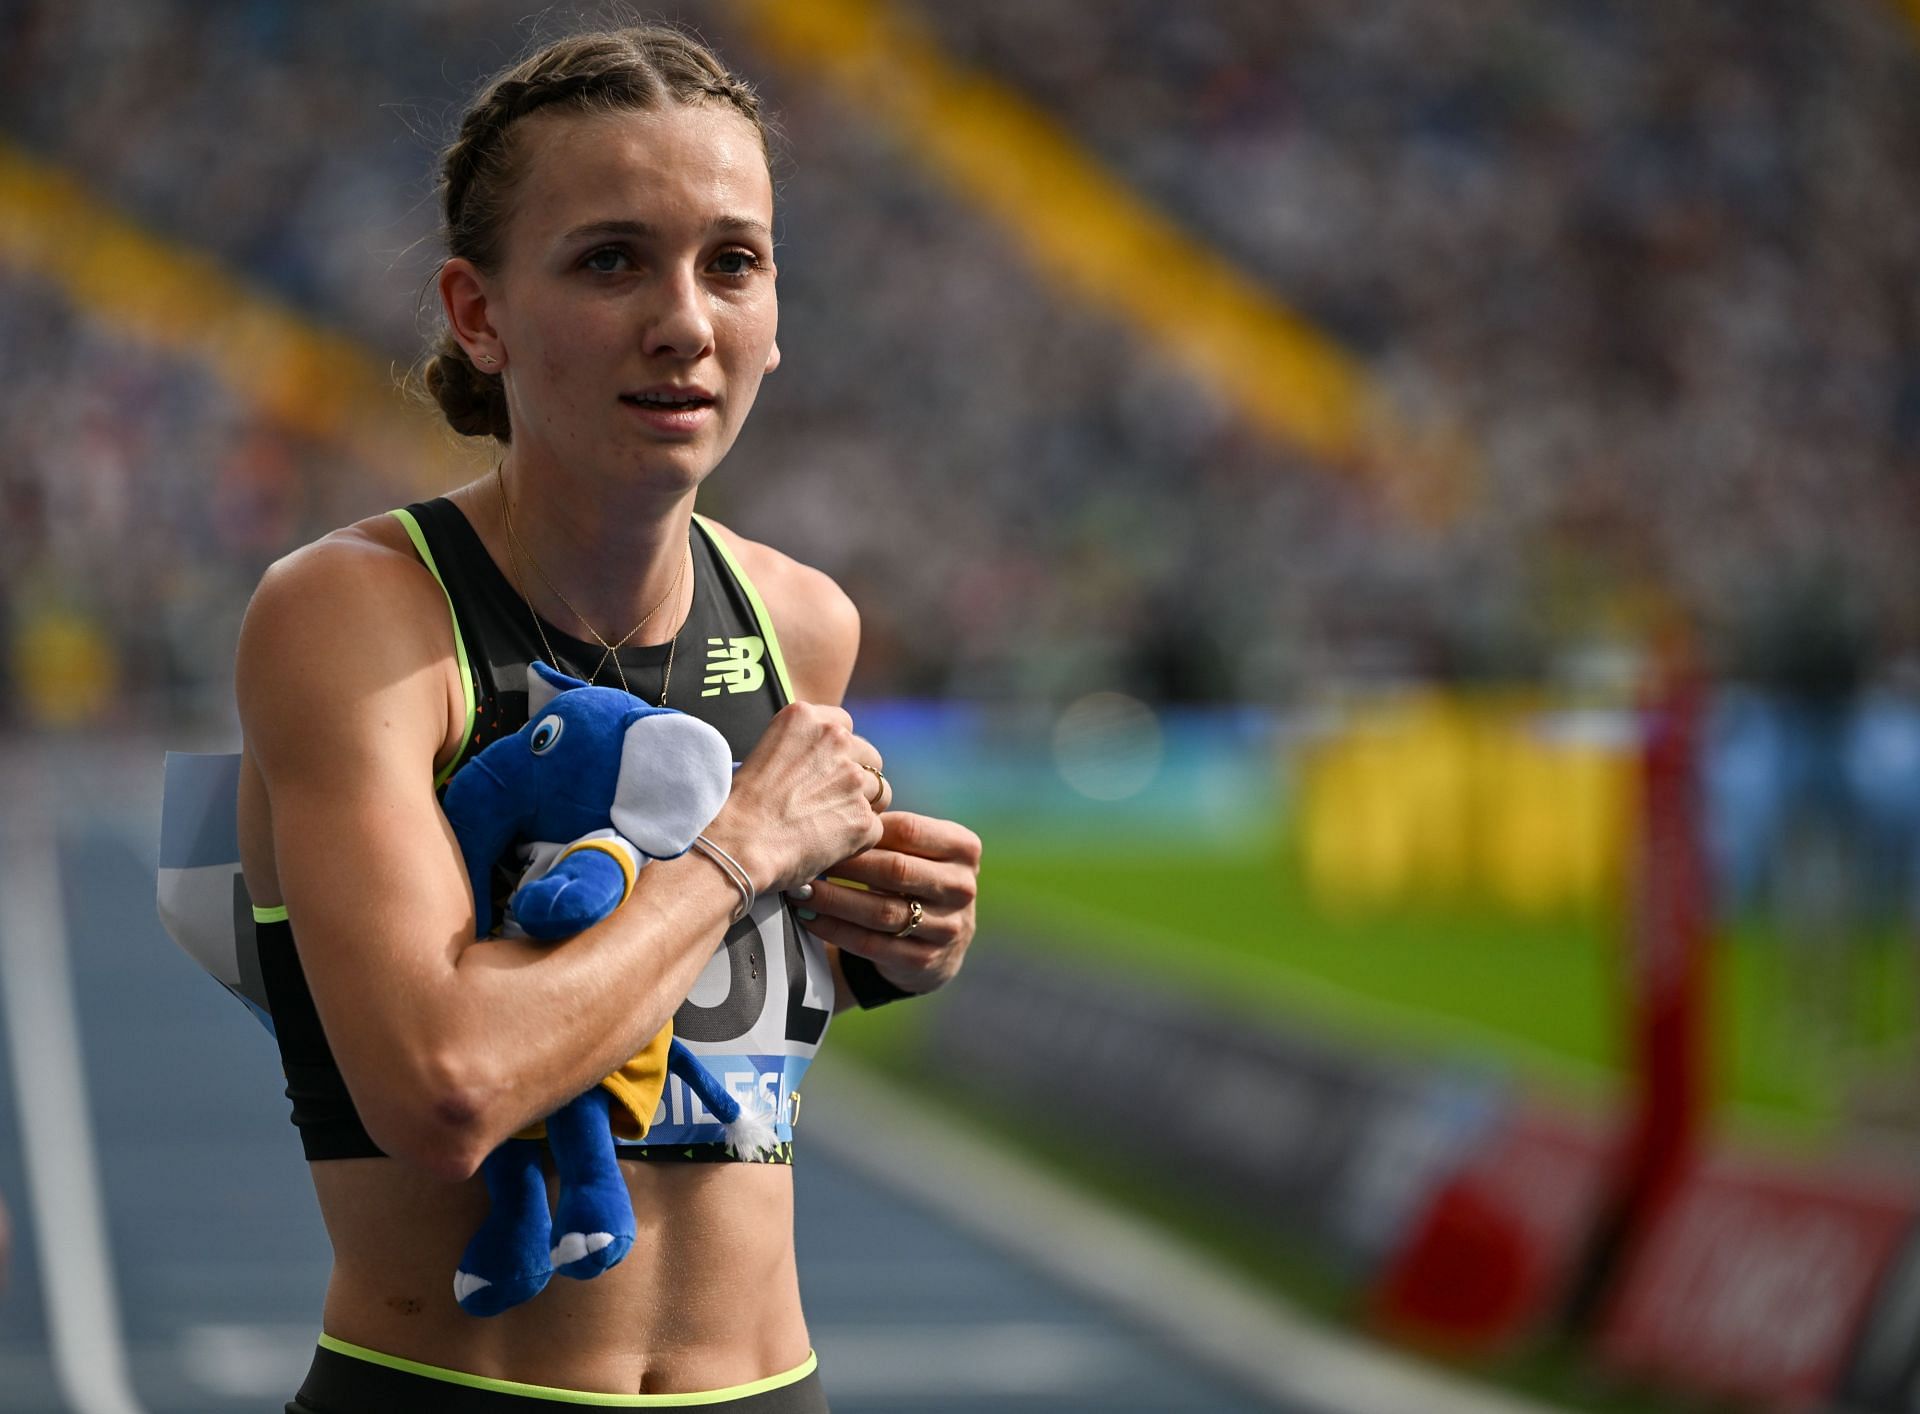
(595, 785)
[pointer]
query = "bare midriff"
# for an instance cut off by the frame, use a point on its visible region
(707, 1298)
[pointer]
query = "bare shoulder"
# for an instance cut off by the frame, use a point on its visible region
(338, 590)
(819, 626)
(353, 621)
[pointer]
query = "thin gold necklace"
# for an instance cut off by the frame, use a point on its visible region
(608, 650)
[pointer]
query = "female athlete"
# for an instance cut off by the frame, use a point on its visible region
(610, 311)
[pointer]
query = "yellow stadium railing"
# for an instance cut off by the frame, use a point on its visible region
(1085, 229)
(1095, 238)
(178, 301)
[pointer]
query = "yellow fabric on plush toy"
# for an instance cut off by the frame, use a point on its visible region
(636, 1088)
(637, 1085)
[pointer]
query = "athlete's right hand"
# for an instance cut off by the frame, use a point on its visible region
(808, 795)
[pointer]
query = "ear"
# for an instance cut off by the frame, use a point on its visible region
(464, 296)
(544, 684)
(675, 772)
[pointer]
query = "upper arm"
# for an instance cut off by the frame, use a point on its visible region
(342, 680)
(818, 625)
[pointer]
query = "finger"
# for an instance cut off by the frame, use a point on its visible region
(879, 912)
(930, 880)
(930, 837)
(902, 956)
(868, 758)
(882, 795)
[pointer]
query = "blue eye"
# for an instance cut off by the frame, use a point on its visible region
(745, 262)
(600, 261)
(546, 734)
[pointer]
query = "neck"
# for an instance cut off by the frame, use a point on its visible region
(610, 557)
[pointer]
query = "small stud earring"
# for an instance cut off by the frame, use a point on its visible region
(489, 360)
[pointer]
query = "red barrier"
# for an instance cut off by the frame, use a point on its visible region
(1668, 949)
(1672, 925)
(1753, 1282)
(1489, 1260)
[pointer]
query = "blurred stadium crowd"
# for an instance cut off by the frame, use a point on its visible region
(1659, 263)
(1654, 265)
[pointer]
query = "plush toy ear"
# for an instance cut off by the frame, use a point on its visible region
(544, 684)
(675, 772)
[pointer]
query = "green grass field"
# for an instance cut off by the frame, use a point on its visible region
(1545, 998)
(1542, 1000)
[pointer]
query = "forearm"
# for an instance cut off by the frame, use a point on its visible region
(449, 1045)
(534, 1025)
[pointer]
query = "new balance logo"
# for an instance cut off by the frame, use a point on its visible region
(733, 665)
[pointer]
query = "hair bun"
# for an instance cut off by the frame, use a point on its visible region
(474, 403)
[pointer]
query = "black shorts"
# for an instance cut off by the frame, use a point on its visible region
(348, 1379)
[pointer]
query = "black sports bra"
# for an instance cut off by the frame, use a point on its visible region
(756, 1015)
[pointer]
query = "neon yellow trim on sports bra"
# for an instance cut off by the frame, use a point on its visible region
(572, 1396)
(760, 613)
(405, 517)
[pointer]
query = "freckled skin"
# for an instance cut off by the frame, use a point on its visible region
(684, 294)
(673, 286)
(585, 320)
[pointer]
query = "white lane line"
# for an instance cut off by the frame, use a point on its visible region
(246, 1362)
(1216, 1317)
(43, 1043)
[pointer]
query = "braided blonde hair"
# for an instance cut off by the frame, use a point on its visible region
(640, 67)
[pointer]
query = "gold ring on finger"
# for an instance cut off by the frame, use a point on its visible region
(880, 776)
(914, 914)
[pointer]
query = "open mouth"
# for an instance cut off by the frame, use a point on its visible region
(665, 402)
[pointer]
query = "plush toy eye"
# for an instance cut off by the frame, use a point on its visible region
(547, 733)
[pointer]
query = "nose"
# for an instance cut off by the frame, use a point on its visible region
(682, 323)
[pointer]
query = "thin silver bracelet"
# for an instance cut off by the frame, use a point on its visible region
(730, 866)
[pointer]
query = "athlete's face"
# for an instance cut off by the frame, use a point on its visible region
(634, 310)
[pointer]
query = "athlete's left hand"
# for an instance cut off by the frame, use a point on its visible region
(919, 857)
